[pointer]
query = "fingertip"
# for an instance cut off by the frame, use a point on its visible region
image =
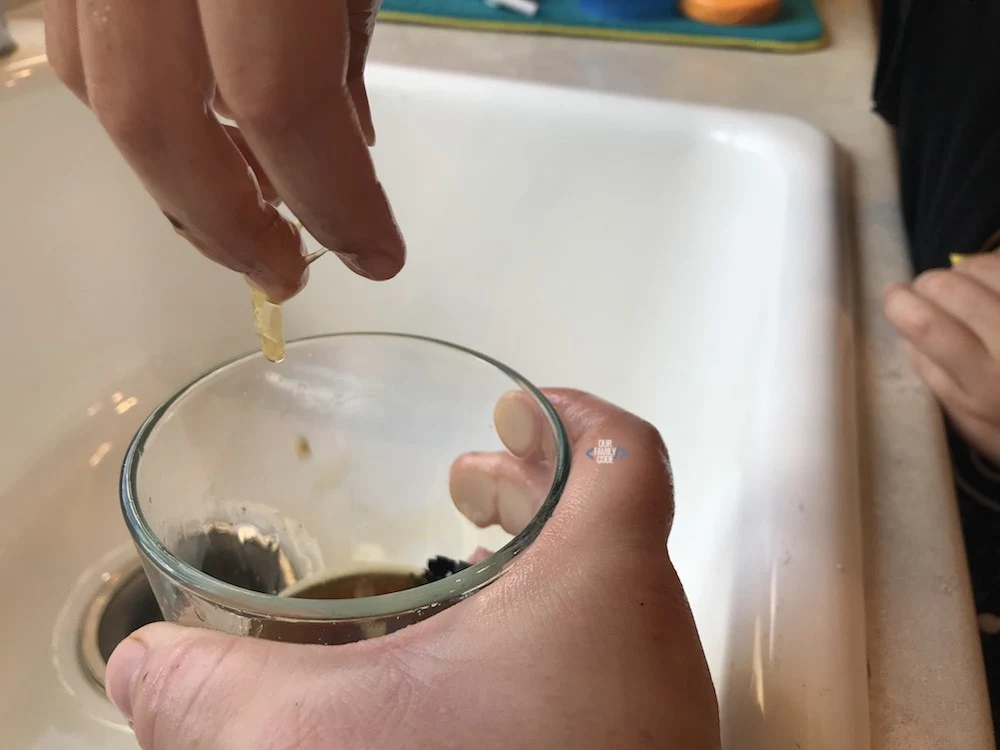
(887, 288)
(280, 268)
(128, 660)
(898, 303)
(122, 669)
(378, 254)
(374, 266)
(480, 554)
(383, 266)
(474, 493)
(517, 423)
(279, 288)
(892, 289)
(497, 488)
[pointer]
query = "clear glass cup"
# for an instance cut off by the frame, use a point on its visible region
(258, 480)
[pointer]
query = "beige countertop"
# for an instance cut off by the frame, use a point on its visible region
(927, 688)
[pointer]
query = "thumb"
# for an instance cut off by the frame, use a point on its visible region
(183, 688)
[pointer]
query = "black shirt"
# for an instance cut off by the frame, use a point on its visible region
(938, 84)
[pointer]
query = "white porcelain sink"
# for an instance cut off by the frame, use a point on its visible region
(681, 261)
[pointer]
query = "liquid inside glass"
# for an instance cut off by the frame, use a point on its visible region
(374, 582)
(239, 554)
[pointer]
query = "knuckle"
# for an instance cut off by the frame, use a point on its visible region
(643, 436)
(268, 105)
(649, 435)
(652, 450)
(936, 283)
(582, 408)
(984, 266)
(576, 401)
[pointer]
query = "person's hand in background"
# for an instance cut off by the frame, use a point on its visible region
(289, 74)
(951, 322)
(586, 642)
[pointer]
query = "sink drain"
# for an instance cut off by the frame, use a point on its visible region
(122, 605)
(238, 554)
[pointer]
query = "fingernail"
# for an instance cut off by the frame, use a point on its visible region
(474, 494)
(314, 256)
(377, 267)
(122, 670)
(381, 266)
(351, 261)
(516, 424)
(173, 222)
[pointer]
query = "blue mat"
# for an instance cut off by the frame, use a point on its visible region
(798, 27)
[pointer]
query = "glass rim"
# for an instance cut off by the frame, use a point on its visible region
(270, 606)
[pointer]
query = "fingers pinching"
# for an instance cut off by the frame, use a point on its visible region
(150, 82)
(283, 71)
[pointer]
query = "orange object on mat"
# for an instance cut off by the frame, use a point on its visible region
(731, 12)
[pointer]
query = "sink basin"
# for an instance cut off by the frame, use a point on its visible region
(681, 261)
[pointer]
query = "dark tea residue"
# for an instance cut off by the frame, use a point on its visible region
(377, 582)
(357, 585)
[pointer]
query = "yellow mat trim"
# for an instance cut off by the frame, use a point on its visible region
(659, 37)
